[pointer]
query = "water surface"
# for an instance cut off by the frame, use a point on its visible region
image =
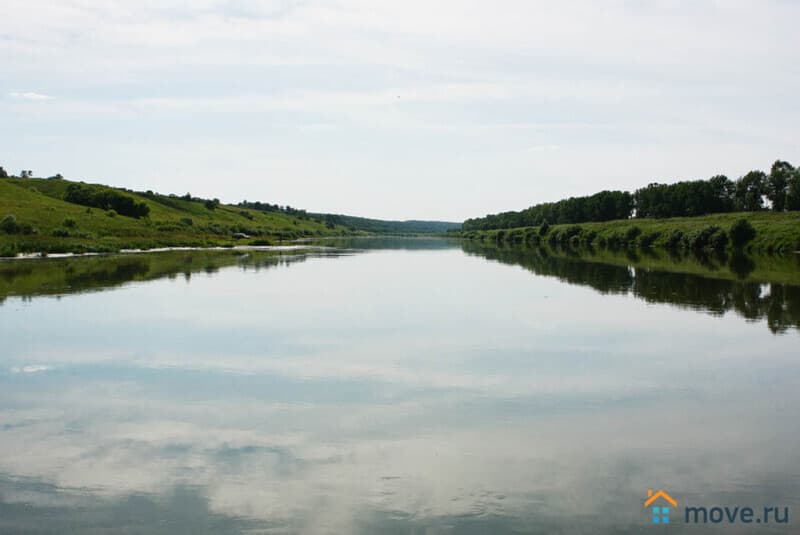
(401, 386)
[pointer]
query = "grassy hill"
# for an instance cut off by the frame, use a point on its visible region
(44, 221)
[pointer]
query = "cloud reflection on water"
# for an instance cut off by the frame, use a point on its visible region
(392, 390)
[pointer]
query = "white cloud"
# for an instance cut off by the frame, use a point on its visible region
(543, 148)
(33, 368)
(411, 94)
(30, 95)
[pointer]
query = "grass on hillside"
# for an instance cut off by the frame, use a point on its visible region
(60, 226)
(775, 232)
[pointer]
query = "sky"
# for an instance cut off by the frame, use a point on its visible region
(397, 110)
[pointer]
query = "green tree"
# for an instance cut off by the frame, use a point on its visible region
(778, 183)
(793, 191)
(3, 173)
(105, 198)
(750, 191)
(741, 232)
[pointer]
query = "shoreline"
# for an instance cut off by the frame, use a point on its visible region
(774, 234)
(245, 248)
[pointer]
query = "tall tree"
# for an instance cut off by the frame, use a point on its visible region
(793, 191)
(750, 191)
(777, 184)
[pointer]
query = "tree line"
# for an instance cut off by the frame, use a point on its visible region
(106, 199)
(779, 191)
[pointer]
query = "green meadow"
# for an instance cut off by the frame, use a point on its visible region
(34, 217)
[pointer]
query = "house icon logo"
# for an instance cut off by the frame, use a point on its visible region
(660, 508)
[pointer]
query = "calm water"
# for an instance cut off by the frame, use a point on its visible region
(393, 386)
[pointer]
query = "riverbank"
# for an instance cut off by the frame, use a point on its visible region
(36, 218)
(775, 233)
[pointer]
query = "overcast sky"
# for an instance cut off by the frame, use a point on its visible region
(437, 109)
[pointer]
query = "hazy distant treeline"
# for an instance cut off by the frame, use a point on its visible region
(365, 224)
(779, 190)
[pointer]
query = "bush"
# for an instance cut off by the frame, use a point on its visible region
(9, 224)
(61, 233)
(215, 228)
(647, 240)
(532, 236)
(675, 239)
(245, 214)
(70, 223)
(211, 204)
(565, 235)
(719, 240)
(111, 213)
(574, 230)
(187, 221)
(27, 228)
(742, 232)
(516, 236)
(543, 228)
(703, 238)
(8, 250)
(632, 233)
(614, 241)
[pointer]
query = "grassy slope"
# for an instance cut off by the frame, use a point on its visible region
(39, 203)
(774, 231)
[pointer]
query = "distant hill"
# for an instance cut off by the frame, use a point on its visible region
(380, 226)
(364, 224)
(58, 215)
